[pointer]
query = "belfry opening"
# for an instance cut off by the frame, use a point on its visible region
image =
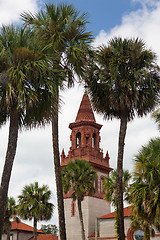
(85, 144)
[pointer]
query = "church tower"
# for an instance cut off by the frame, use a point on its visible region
(85, 140)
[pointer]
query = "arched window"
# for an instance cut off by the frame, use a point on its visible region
(93, 140)
(101, 184)
(87, 140)
(95, 184)
(11, 236)
(73, 208)
(78, 140)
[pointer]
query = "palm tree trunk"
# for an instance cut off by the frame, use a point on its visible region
(8, 233)
(81, 217)
(35, 229)
(10, 155)
(120, 214)
(62, 228)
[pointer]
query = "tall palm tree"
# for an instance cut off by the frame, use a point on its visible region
(34, 204)
(23, 67)
(123, 81)
(144, 192)
(64, 29)
(9, 213)
(78, 176)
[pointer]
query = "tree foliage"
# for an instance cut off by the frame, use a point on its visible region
(11, 212)
(123, 81)
(49, 229)
(110, 187)
(127, 76)
(64, 29)
(110, 183)
(23, 68)
(34, 203)
(156, 116)
(145, 190)
(78, 177)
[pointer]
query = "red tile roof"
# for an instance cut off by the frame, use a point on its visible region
(22, 226)
(127, 213)
(46, 237)
(85, 112)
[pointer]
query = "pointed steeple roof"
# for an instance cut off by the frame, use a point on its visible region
(85, 112)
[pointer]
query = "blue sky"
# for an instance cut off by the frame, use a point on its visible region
(108, 18)
(103, 14)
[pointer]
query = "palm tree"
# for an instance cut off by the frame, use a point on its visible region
(64, 29)
(110, 187)
(144, 192)
(9, 213)
(110, 184)
(34, 204)
(123, 81)
(23, 67)
(78, 176)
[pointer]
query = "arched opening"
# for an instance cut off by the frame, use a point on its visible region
(78, 140)
(95, 184)
(93, 140)
(102, 184)
(87, 141)
(73, 208)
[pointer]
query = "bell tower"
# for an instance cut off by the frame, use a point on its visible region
(85, 144)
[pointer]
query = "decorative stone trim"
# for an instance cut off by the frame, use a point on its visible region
(130, 234)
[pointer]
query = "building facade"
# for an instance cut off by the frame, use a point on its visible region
(20, 231)
(85, 144)
(106, 227)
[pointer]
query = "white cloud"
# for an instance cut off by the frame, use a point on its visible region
(10, 10)
(143, 23)
(145, 3)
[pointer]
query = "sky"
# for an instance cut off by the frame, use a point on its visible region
(34, 157)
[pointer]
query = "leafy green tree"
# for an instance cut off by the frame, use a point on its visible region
(34, 204)
(62, 27)
(49, 229)
(23, 66)
(144, 192)
(123, 81)
(9, 213)
(78, 176)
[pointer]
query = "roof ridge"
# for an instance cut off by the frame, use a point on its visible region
(22, 226)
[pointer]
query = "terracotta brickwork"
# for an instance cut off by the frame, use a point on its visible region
(85, 144)
(85, 139)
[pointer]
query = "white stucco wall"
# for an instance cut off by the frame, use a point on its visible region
(107, 229)
(91, 208)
